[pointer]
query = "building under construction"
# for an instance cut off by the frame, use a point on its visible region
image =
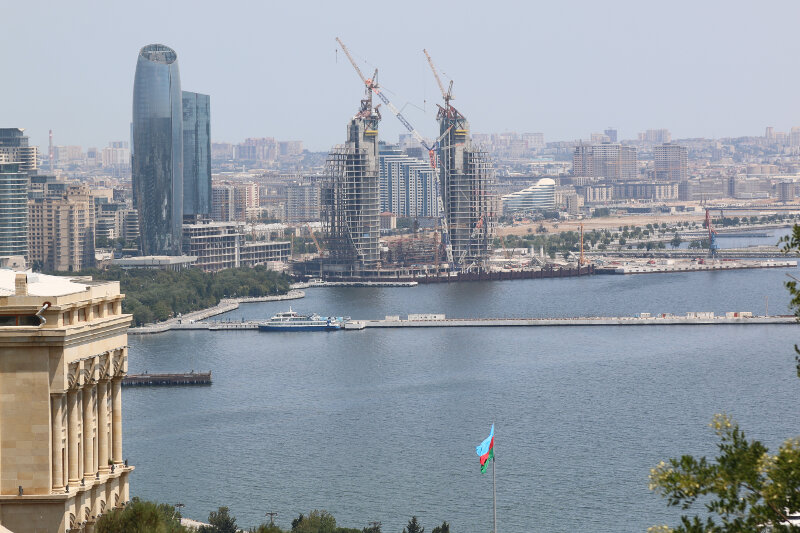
(351, 198)
(467, 186)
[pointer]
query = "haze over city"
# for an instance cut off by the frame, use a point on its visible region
(700, 69)
(304, 310)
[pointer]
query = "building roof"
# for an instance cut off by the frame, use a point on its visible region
(40, 284)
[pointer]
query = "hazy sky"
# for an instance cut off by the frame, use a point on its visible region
(565, 68)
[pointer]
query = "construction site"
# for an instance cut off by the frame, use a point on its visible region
(460, 244)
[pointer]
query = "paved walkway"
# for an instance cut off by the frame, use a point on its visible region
(225, 305)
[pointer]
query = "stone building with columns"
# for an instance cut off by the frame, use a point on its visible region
(63, 354)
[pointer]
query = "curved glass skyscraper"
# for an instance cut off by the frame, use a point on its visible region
(158, 150)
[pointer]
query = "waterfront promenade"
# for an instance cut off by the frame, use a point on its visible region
(224, 306)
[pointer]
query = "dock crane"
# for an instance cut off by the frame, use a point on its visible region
(372, 85)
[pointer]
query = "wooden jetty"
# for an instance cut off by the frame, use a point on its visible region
(149, 380)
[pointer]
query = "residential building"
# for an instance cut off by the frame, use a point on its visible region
(61, 222)
(63, 355)
(671, 162)
(606, 160)
(14, 185)
(196, 154)
(407, 185)
(611, 133)
(659, 136)
(234, 201)
(302, 203)
(158, 150)
(221, 245)
(14, 145)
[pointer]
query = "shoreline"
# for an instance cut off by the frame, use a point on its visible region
(225, 305)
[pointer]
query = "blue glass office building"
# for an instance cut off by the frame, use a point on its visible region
(196, 154)
(157, 152)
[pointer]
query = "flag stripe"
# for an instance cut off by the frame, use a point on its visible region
(485, 465)
(485, 456)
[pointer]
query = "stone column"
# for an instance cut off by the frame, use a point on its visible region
(102, 426)
(57, 427)
(72, 437)
(88, 445)
(116, 419)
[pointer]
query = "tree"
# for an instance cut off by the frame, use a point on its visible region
(413, 526)
(444, 528)
(745, 489)
(266, 528)
(139, 516)
(221, 522)
(315, 522)
(676, 241)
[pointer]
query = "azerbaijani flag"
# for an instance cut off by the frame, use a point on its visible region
(485, 450)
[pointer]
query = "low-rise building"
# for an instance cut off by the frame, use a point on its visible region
(221, 245)
(63, 355)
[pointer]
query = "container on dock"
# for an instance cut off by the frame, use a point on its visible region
(642, 315)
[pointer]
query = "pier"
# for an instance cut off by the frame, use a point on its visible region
(440, 321)
(150, 380)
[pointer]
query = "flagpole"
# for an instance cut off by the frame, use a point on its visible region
(494, 494)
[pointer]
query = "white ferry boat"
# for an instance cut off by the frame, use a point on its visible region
(293, 321)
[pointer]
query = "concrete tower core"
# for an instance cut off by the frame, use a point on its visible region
(467, 182)
(351, 199)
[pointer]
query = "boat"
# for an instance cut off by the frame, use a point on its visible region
(294, 321)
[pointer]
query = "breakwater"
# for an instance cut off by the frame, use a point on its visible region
(186, 378)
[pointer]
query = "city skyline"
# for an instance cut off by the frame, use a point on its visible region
(275, 89)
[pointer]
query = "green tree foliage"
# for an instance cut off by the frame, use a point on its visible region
(413, 526)
(221, 522)
(444, 528)
(316, 522)
(676, 241)
(745, 489)
(140, 517)
(152, 295)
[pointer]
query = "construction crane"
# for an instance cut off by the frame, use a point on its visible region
(372, 86)
(314, 238)
(448, 94)
(713, 247)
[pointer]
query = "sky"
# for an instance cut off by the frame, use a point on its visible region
(565, 68)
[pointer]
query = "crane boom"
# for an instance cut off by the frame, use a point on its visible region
(372, 86)
(367, 82)
(436, 75)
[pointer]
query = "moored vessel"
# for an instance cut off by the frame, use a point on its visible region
(294, 321)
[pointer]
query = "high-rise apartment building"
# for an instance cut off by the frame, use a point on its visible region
(407, 184)
(607, 160)
(14, 184)
(158, 150)
(61, 221)
(302, 202)
(234, 201)
(659, 136)
(196, 154)
(611, 133)
(63, 355)
(14, 145)
(671, 162)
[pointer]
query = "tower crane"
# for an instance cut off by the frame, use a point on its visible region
(372, 86)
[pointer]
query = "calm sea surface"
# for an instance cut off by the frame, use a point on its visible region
(383, 424)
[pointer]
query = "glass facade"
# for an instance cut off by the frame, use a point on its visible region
(158, 150)
(14, 184)
(196, 154)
